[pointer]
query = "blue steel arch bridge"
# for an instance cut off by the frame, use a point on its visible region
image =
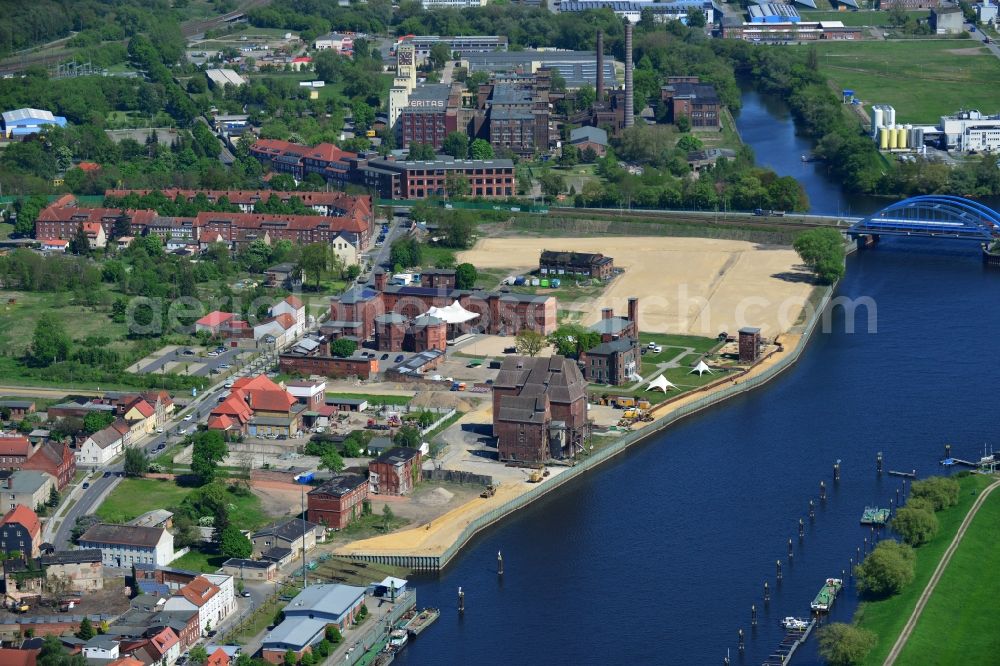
(932, 215)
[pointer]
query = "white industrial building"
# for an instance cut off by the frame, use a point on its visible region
(218, 78)
(631, 10)
(451, 4)
(971, 130)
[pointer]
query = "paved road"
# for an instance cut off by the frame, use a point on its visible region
(980, 36)
(932, 583)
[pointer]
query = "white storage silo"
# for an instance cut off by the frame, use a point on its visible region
(877, 120)
(889, 114)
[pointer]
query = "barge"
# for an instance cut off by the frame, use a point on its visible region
(826, 596)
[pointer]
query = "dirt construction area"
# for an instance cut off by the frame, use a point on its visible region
(695, 286)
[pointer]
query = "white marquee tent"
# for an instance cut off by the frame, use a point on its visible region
(701, 369)
(452, 314)
(660, 383)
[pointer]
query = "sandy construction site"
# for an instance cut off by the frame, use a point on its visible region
(696, 286)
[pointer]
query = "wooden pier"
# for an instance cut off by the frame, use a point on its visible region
(907, 475)
(789, 644)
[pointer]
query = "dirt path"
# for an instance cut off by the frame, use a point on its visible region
(925, 596)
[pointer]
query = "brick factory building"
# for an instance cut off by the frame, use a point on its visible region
(698, 101)
(750, 344)
(393, 179)
(582, 264)
(618, 358)
(338, 501)
(394, 332)
(393, 472)
(430, 115)
(311, 356)
(539, 409)
(298, 160)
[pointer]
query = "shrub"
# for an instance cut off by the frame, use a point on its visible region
(845, 644)
(887, 570)
(917, 525)
(941, 491)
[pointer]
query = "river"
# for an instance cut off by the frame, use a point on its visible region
(657, 557)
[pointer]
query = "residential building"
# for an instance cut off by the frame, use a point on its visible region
(18, 408)
(218, 658)
(696, 101)
(611, 327)
(257, 406)
(20, 532)
(28, 487)
(589, 138)
(14, 451)
(240, 229)
(338, 501)
(312, 394)
(395, 472)
(291, 533)
(101, 447)
(393, 179)
(539, 409)
(947, 19)
(162, 647)
(298, 160)
(125, 545)
(55, 459)
(211, 595)
(331, 204)
(308, 615)
(62, 218)
(20, 123)
(101, 648)
(986, 11)
(576, 264)
(53, 244)
(342, 44)
(83, 569)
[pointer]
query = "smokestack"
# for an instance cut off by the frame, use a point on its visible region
(606, 313)
(633, 313)
(629, 111)
(600, 66)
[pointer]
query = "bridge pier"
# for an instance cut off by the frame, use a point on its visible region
(990, 258)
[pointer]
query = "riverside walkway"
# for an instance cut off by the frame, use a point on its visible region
(925, 596)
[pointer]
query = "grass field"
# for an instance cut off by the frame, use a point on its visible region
(922, 79)
(888, 616)
(958, 624)
(134, 497)
(17, 321)
(863, 18)
(197, 560)
(696, 342)
(6, 230)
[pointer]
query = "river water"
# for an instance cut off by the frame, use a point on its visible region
(657, 557)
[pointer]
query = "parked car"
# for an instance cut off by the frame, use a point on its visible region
(651, 345)
(246, 594)
(385, 356)
(399, 359)
(657, 349)
(159, 431)
(188, 352)
(189, 417)
(161, 446)
(85, 485)
(107, 474)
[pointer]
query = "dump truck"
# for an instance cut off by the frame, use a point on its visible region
(535, 476)
(489, 491)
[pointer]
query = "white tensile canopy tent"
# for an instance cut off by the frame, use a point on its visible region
(452, 314)
(701, 369)
(660, 383)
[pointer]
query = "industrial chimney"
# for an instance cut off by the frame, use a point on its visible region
(629, 111)
(600, 66)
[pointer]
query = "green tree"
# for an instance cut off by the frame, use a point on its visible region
(363, 115)
(27, 212)
(916, 524)
(332, 461)
(342, 347)
(822, 250)
(234, 544)
(95, 421)
(53, 498)
(86, 631)
(407, 436)
(422, 151)
(456, 144)
(585, 97)
(552, 182)
(696, 18)
(290, 658)
(457, 229)
(440, 54)
(53, 653)
(845, 644)
(136, 462)
(570, 155)
(689, 142)
(941, 492)
(573, 339)
(123, 225)
(387, 517)
(50, 343)
(480, 149)
(465, 276)
(887, 570)
(529, 342)
(683, 123)
(333, 634)
(208, 450)
(79, 244)
(314, 261)
(198, 654)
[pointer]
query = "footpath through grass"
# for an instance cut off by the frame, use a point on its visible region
(961, 73)
(887, 617)
(958, 625)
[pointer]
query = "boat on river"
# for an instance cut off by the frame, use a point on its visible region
(827, 594)
(795, 623)
(421, 621)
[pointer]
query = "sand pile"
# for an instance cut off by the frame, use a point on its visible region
(437, 497)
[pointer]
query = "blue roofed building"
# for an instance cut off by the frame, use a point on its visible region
(24, 122)
(308, 615)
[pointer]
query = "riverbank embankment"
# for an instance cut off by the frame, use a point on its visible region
(430, 547)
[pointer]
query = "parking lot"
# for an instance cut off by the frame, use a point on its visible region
(194, 360)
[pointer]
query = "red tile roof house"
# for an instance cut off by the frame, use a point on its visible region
(213, 322)
(20, 531)
(13, 657)
(218, 658)
(256, 405)
(14, 451)
(56, 459)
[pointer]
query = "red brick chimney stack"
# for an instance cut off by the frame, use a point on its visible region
(633, 313)
(606, 313)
